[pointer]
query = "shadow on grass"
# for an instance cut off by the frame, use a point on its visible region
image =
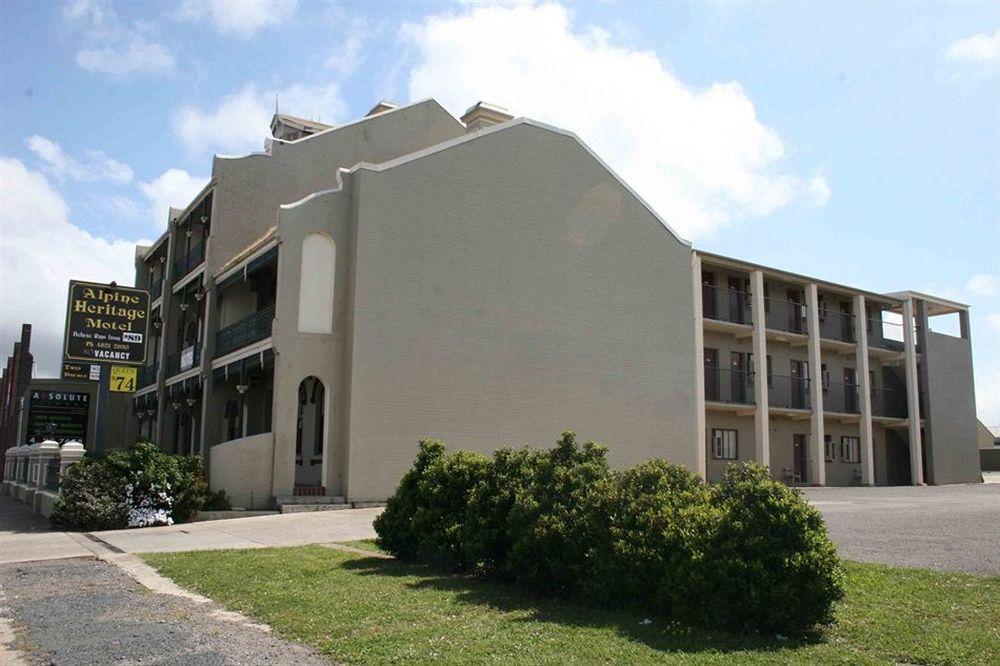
(661, 634)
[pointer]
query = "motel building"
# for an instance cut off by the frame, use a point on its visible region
(324, 304)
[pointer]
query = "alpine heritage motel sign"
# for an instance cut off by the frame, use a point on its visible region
(106, 323)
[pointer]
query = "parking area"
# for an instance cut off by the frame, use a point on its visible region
(948, 528)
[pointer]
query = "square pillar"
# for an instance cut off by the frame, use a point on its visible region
(865, 389)
(762, 423)
(817, 454)
(912, 395)
(701, 441)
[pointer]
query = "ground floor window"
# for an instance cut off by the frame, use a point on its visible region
(725, 444)
(850, 449)
(829, 449)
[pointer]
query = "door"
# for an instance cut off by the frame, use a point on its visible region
(737, 301)
(737, 377)
(797, 381)
(795, 314)
(708, 295)
(850, 391)
(711, 374)
(799, 457)
(846, 325)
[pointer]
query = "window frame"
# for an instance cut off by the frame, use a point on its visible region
(718, 452)
(829, 449)
(850, 449)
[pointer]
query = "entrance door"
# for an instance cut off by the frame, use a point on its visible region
(850, 391)
(737, 377)
(310, 437)
(708, 295)
(737, 301)
(798, 380)
(711, 374)
(795, 314)
(799, 457)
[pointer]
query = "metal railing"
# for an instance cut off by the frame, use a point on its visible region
(146, 376)
(788, 392)
(890, 402)
(734, 387)
(184, 265)
(724, 304)
(250, 329)
(784, 315)
(841, 398)
(836, 325)
(885, 334)
(173, 365)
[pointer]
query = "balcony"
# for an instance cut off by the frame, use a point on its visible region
(884, 334)
(889, 402)
(841, 398)
(837, 326)
(733, 387)
(194, 257)
(248, 330)
(784, 315)
(724, 304)
(146, 376)
(786, 392)
(185, 360)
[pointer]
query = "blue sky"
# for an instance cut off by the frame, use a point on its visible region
(857, 142)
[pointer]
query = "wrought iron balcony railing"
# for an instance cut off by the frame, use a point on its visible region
(184, 265)
(724, 304)
(785, 315)
(248, 330)
(788, 392)
(841, 398)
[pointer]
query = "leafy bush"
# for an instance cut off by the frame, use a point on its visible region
(768, 565)
(216, 501)
(424, 519)
(748, 554)
(138, 487)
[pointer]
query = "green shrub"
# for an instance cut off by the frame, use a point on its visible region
(747, 555)
(658, 517)
(424, 519)
(216, 501)
(550, 524)
(137, 487)
(769, 565)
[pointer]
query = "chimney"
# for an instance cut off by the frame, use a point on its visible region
(482, 115)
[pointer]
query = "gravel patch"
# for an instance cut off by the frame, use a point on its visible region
(89, 612)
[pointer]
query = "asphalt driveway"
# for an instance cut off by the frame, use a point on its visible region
(948, 528)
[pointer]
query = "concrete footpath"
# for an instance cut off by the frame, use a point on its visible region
(27, 537)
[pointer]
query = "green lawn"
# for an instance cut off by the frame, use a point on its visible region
(360, 609)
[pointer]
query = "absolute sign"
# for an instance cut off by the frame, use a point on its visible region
(106, 323)
(58, 415)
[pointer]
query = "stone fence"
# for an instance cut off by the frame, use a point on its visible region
(32, 472)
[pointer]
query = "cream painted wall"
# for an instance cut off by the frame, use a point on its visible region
(242, 467)
(509, 288)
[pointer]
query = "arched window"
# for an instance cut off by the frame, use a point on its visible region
(316, 281)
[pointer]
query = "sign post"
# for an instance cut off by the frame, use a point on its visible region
(107, 327)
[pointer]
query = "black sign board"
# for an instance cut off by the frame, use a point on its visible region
(106, 324)
(58, 415)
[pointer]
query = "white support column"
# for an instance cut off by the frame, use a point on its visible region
(701, 444)
(817, 453)
(912, 395)
(865, 391)
(762, 424)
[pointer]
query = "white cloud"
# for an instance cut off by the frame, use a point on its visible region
(983, 284)
(241, 120)
(41, 250)
(114, 47)
(98, 167)
(174, 187)
(243, 18)
(981, 50)
(701, 157)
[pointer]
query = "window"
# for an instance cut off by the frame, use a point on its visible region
(829, 449)
(725, 444)
(822, 309)
(850, 449)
